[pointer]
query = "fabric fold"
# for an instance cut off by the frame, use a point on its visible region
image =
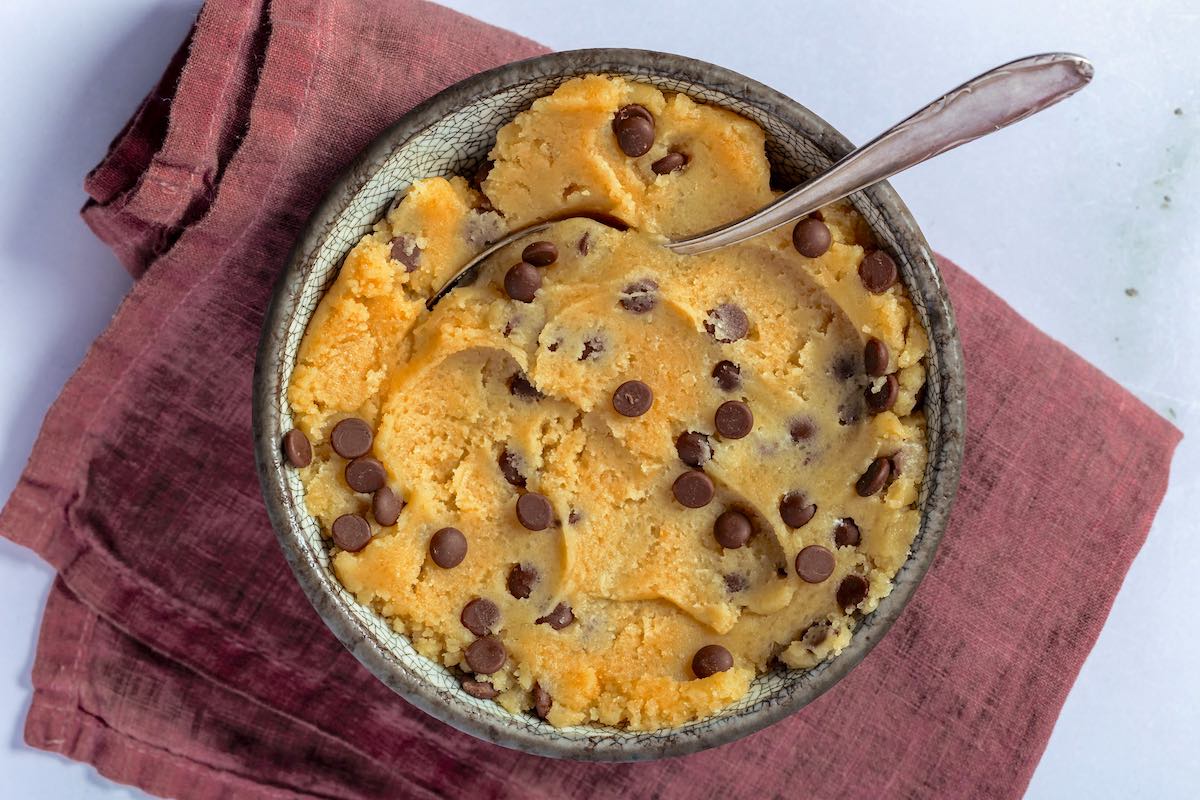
(177, 651)
(163, 172)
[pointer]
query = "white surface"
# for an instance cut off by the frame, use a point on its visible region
(1059, 215)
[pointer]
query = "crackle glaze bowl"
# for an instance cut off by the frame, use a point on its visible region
(450, 134)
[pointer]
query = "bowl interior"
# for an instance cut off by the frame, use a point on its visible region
(450, 135)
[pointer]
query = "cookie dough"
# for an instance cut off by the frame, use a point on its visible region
(616, 483)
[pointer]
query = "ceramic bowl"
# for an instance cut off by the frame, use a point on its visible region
(450, 134)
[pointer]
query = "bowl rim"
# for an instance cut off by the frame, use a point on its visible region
(942, 473)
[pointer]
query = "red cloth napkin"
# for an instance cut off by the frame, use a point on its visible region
(177, 653)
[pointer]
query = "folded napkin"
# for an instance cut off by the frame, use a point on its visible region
(178, 654)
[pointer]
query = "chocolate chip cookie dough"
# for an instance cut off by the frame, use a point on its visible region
(604, 482)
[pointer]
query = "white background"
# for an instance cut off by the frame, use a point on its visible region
(1064, 216)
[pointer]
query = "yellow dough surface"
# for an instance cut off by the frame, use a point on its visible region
(485, 385)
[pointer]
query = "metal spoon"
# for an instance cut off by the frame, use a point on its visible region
(983, 105)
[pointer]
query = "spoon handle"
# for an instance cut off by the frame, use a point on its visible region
(983, 105)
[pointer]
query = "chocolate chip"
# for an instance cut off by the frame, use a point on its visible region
(481, 689)
(735, 583)
(510, 326)
(365, 474)
(693, 449)
(816, 635)
(486, 655)
(296, 448)
(540, 254)
(795, 510)
(693, 489)
(634, 109)
(640, 297)
(878, 272)
(843, 368)
(405, 250)
(801, 429)
(386, 506)
(584, 243)
(632, 399)
(732, 529)
(875, 358)
(534, 511)
(852, 591)
(634, 128)
(479, 616)
(711, 659)
(560, 617)
(522, 282)
(574, 517)
(874, 478)
(669, 163)
(351, 532)
(811, 238)
(542, 702)
(846, 533)
(448, 547)
(814, 564)
(553, 346)
(510, 467)
(728, 376)
(351, 438)
(521, 579)
(520, 386)
(850, 411)
(727, 323)
(883, 398)
(592, 346)
(733, 419)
